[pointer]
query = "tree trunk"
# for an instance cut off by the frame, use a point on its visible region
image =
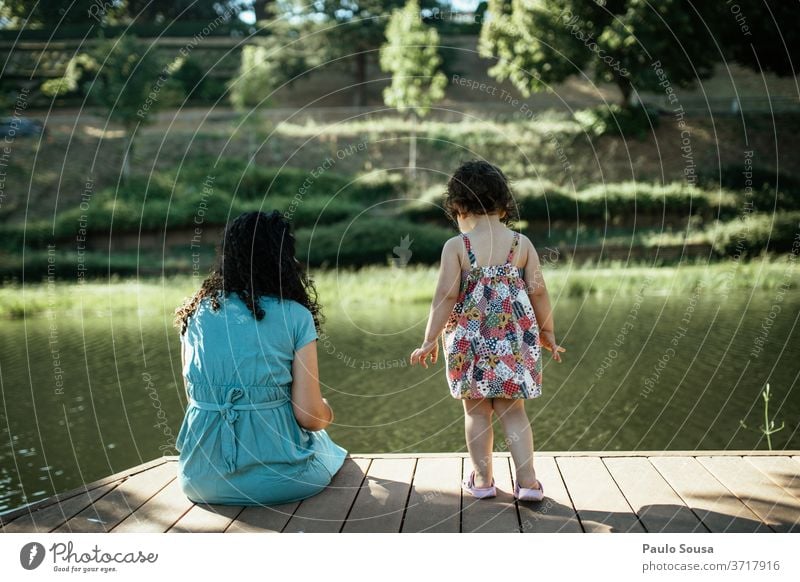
(625, 89)
(126, 156)
(263, 9)
(361, 80)
(412, 147)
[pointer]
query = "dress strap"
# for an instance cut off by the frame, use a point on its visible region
(514, 246)
(472, 261)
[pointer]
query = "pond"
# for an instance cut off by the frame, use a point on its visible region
(84, 397)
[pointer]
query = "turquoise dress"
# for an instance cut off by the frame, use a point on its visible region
(239, 442)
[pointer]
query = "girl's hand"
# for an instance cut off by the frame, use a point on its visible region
(547, 340)
(420, 355)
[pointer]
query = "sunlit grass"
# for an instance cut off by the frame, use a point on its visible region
(383, 286)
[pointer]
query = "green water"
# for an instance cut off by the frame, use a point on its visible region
(119, 398)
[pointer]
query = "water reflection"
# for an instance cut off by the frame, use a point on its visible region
(638, 374)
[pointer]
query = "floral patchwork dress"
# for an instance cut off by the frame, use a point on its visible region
(491, 340)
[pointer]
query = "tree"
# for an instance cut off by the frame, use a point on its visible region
(47, 13)
(411, 55)
(264, 9)
(760, 34)
(268, 62)
(540, 43)
(151, 11)
(359, 32)
(125, 80)
(281, 56)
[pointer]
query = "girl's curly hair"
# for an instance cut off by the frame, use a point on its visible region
(257, 258)
(478, 187)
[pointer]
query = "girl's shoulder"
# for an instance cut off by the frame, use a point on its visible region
(455, 240)
(454, 245)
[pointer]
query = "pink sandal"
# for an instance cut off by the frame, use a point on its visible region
(468, 485)
(525, 494)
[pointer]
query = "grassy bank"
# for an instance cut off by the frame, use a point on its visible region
(376, 286)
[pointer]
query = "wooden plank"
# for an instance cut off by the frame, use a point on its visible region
(659, 508)
(207, 518)
(263, 518)
(435, 501)
(327, 511)
(718, 508)
(50, 517)
(677, 453)
(53, 499)
(112, 508)
(159, 513)
(498, 514)
(382, 498)
(555, 512)
(784, 471)
(600, 504)
(771, 503)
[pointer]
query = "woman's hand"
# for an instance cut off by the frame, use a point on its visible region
(547, 340)
(420, 355)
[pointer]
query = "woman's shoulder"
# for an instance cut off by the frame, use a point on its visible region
(288, 306)
(266, 302)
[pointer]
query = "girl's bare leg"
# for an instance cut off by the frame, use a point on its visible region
(480, 438)
(519, 437)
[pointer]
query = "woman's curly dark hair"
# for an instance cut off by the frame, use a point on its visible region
(478, 187)
(256, 259)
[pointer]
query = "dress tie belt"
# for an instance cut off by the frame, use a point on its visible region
(230, 414)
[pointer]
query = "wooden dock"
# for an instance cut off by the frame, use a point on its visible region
(673, 491)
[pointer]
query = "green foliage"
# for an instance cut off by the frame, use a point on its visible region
(759, 35)
(768, 429)
(269, 62)
(207, 10)
(537, 44)
(159, 200)
(757, 233)
(196, 83)
(370, 240)
(530, 44)
(251, 182)
(615, 120)
(615, 202)
(771, 189)
(126, 78)
(411, 56)
(46, 13)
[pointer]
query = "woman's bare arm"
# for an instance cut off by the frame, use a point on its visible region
(183, 365)
(311, 410)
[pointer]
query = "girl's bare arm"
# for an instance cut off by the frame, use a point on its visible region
(540, 300)
(537, 289)
(444, 299)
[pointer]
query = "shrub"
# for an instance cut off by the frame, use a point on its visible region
(770, 189)
(252, 182)
(614, 120)
(759, 232)
(370, 240)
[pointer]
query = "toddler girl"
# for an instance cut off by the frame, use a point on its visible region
(492, 309)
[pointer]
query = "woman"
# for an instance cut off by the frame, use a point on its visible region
(253, 430)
